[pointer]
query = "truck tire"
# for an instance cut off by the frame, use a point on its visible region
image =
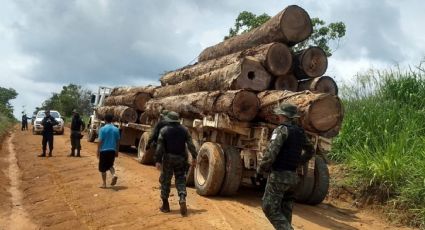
(210, 169)
(190, 175)
(91, 136)
(145, 157)
(305, 185)
(233, 173)
(321, 182)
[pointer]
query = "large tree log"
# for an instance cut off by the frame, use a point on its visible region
(319, 112)
(247, 73)
(290, 26)
(309, 63)
(121, 113)
(286, 82)
(275, 57)
(239, 104)
(133, 100)
(322, 84)
(130, 90)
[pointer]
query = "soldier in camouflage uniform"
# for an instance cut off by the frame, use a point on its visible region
(171, 157)
(281, 160)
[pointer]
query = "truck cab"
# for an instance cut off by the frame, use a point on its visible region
(96, 100)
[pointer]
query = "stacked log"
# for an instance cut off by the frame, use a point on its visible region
(120, 113)
(133, 100)
(324, 84)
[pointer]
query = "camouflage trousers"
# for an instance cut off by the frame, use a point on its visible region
(75, 140)
(177, 165)
(278, 198)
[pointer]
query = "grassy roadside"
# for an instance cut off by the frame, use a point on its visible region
(5, 124)
(382, 142)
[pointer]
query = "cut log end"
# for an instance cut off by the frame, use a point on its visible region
(141, 100)
(325, 113)
(245, 106)
(279, 59)
(296, 24)
(253, 76)
(322, 84)
(314, 62)
(286, 82)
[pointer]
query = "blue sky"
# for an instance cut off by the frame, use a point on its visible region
(47, 44)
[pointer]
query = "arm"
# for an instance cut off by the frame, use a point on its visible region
(278, 138)
(308, 151)
(54, 121)
(160, 150)
(117, 147)
(154, 135)
(191, 146)
(99, 144)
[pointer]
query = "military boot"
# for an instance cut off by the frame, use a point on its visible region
(50, 153)
(43, 154)
(78, 153)
(182, 203)
(165, 206)
(72, 153)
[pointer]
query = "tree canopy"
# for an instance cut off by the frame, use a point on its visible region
(5, 96)
(322, 33)
(71, 97)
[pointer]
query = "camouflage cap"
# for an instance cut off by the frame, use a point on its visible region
(287, 110)
(172, 117)
(74, 111)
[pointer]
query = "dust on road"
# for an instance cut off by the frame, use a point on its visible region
(63, 193)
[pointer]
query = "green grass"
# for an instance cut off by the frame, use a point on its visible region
(383, 140)
(5, 123)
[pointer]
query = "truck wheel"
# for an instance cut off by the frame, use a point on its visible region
(91, 136)
(233, 173)
(305, 185)
(145, 157)
(321, 182)
(210, 168)
(190, 175)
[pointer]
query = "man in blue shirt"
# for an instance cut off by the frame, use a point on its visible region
(107, 149)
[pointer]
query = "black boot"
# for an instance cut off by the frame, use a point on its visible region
(182, 203)
(43, 154)
(165, 206)
(78, 153)
(50, 153)
(72, 152)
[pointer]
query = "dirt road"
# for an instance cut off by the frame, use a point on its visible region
(63, 193)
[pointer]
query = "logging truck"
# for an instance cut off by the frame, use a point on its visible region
(228, 151)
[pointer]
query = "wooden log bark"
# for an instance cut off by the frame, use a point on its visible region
(247, 73)
(322, 84)
(275, 57)
(121, 113)
(310, 63)
(286, 82)
(131, 90)
(290, 26)
(133, 100)
(239, 104)
(319, 112)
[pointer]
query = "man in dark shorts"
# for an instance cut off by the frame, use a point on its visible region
(107, 149)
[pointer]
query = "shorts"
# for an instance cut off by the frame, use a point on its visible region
(106, 160)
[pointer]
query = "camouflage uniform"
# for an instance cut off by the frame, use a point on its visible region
(171, 153)
(279, 192)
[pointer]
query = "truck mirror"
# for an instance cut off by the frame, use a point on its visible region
(93, 99)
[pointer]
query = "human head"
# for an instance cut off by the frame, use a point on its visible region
(163, 114)
(286, 110)
(47, 112)
(172, 117)
(109, 117)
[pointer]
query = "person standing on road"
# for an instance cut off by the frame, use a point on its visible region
(48, 122)
(171, 158)
(281, 159)
(153, 138)
(24, 122)
(107, 149)
(77, 126)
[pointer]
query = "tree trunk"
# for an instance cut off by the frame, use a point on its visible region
(322, 84)
(247, 73)
(130, 90)
(290, 26)
(275, 57)
(239, 104)
(319, 112)
(286, 82)
(310, 63)
(133, 100)
(121, 113)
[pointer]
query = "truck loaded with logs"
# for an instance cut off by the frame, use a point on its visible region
(226, 101)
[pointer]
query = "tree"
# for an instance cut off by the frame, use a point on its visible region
(321, 36)
(5, 96)
(71, 97)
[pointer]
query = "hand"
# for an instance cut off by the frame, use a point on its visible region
(158, 166)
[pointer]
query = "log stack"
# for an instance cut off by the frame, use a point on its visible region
(245, 77)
